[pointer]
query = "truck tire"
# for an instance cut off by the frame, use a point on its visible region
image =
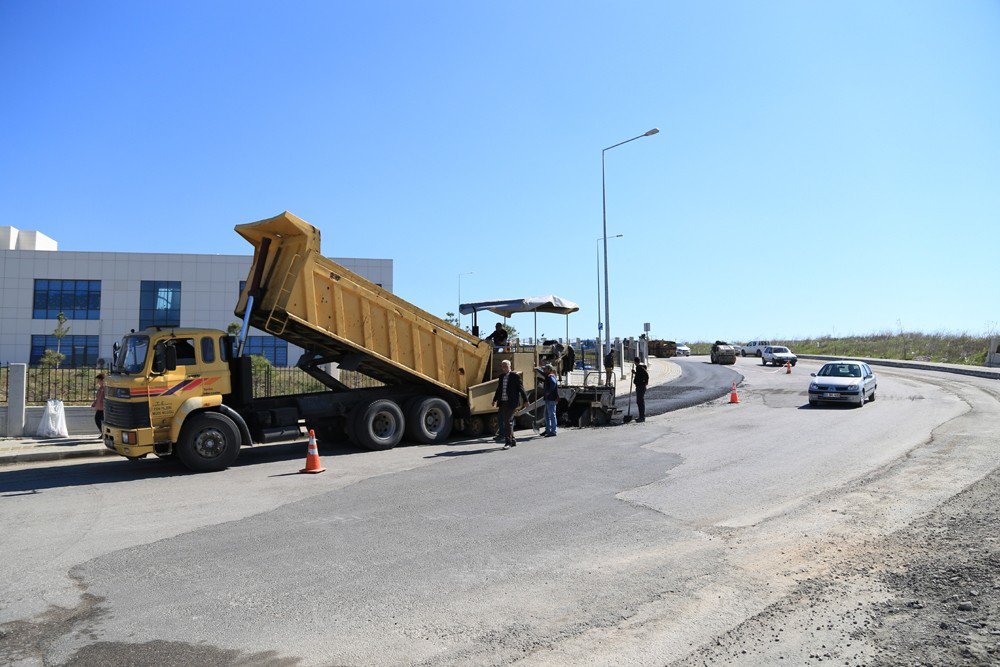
(379, 425)
(209, 442)
(493, 423)
(428, 420)
(473, 427)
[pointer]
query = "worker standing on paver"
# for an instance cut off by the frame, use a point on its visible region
(569, 360)
(498, 337)
(509, 397)
(550, 392)
(609, 367)
(641, 378)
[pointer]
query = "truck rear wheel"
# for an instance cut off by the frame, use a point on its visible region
(428, 420)
(208, 442)
(379, 425)
(473, 427)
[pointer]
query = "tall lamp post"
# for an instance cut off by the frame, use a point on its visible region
(467, 273)
(597, 341)
(604, 208)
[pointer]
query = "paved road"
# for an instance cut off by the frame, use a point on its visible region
(632, 544)
(700, 381)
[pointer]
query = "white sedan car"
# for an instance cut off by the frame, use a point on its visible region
(683, 351)
(843, 382)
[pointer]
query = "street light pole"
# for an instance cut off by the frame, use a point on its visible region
(467, 273)
(597, 341)
(604, 209)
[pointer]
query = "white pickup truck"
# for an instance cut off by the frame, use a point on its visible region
(754, 348)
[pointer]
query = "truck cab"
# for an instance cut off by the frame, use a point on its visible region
(165, 396)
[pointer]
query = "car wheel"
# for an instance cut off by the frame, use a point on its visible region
(763, 361)
(861, 401)
(813, 404)
(872, 397)
(743, 353)
(759, 353)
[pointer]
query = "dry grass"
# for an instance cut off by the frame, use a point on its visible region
(949, 348)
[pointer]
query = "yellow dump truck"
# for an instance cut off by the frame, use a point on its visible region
(188, 392)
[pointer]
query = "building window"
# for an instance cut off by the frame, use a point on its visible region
(79, 350)
(76, 299)
(159, 303)
(273, 349)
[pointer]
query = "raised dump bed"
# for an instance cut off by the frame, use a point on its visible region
(306, 299)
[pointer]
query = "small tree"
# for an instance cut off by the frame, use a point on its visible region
(233, 328)
(511, 331)
(51, 359)
(59, 333)
(452, 319)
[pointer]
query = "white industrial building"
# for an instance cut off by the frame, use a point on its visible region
(107, 294)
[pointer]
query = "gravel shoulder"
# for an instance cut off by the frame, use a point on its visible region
(928, 594)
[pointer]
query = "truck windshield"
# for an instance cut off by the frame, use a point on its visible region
(131, 357)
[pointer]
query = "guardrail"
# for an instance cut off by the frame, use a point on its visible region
(975, 371)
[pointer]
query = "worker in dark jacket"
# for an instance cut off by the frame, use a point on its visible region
(641, 378)
(498, 337)
(569, 360)
(509, 397)
(550, 391)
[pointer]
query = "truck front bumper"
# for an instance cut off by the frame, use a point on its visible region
(131, 443)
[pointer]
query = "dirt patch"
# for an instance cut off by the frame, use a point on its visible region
(926, 595)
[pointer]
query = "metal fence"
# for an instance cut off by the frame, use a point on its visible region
(274, 381)
(72, 385)
(78, 386)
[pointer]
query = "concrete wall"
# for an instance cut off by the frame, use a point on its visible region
(79, 420)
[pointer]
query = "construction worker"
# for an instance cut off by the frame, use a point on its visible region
(609, 367)
(641, 379)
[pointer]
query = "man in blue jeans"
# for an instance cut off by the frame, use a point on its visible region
(550, 392)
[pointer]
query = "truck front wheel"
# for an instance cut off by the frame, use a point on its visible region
(379, 425)
(209, 442)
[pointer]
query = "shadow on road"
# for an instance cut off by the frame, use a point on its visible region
(109, 470)
(465, 452)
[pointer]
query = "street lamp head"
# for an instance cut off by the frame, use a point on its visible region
(652, 132)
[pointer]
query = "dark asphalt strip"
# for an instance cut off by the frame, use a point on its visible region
(700, 382)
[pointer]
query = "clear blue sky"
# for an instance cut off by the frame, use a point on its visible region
(820, 167)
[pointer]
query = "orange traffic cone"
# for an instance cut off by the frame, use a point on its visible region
(312, 456)
(788, 368)
(733, 398)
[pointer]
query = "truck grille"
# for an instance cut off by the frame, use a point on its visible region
(126, 415)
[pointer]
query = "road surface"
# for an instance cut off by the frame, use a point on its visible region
(665, 542)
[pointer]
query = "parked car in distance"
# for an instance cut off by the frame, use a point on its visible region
(683, 351)
(777, 355)
(754, 348)
(843, 382)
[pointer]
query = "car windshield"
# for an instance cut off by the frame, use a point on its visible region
(840, 371)
(131, 356)
(777, 350)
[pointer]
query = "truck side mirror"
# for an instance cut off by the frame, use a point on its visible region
(171, 358)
